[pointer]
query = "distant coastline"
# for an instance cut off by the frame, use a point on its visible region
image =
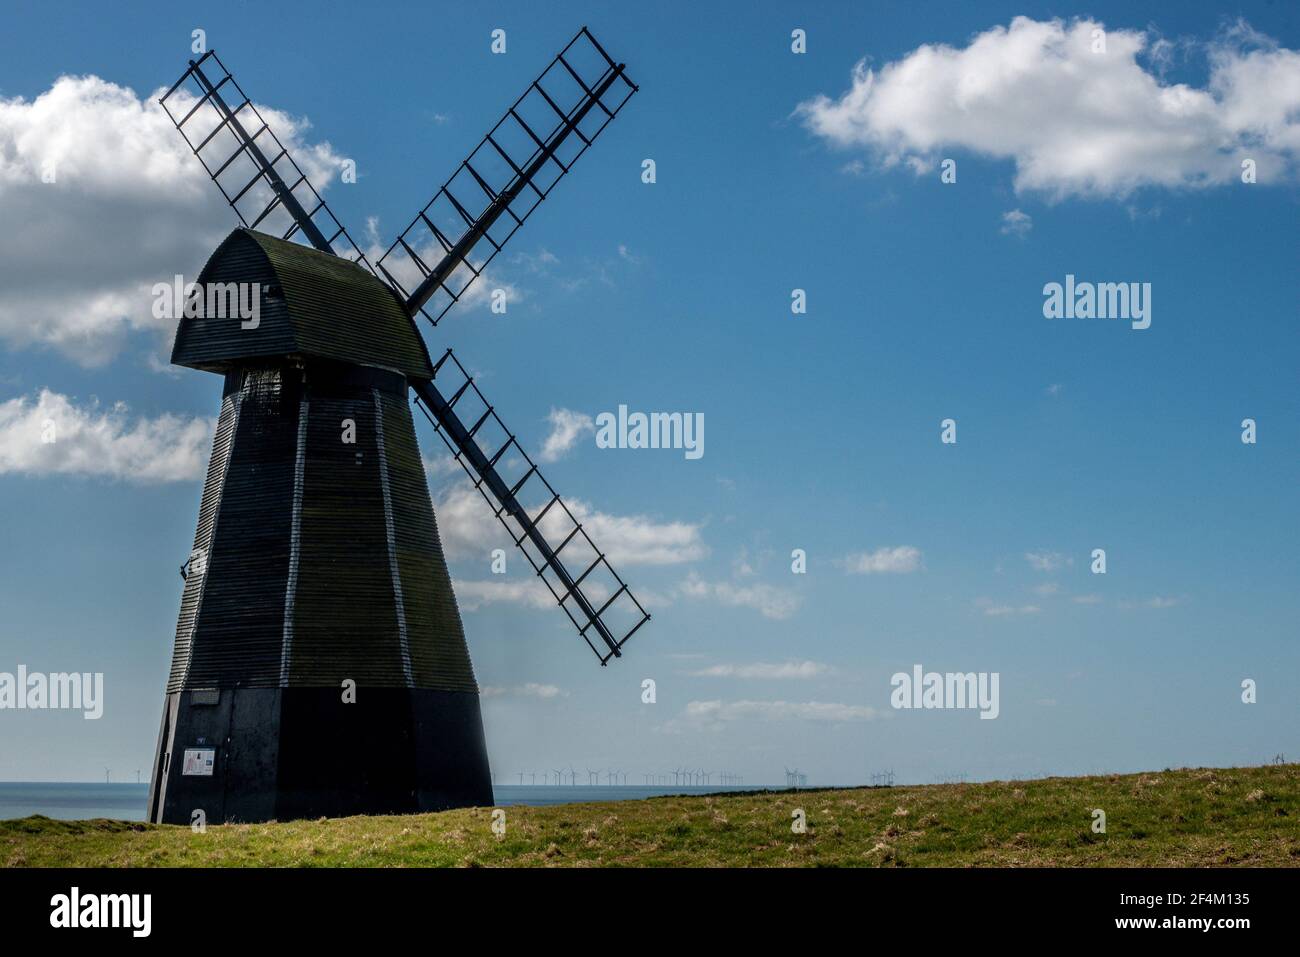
(79, 801)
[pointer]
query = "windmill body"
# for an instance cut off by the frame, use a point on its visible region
(320, 666)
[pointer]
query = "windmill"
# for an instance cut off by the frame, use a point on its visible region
(320, 665)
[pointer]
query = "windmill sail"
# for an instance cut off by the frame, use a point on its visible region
(255, 173)
(509, 173)
(513, 168)
(595, 598)
(318, 560)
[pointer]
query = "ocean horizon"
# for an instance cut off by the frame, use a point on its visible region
(77, 800)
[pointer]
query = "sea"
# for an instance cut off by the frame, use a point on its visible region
(126, 802)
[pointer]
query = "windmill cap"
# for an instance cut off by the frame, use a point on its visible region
(309, 304)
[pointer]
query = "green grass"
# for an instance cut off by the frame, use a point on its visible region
(1197, 818)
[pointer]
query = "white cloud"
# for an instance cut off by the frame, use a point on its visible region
(567, 427)
(1160, 601)
(538, 263)
(50, 435)
(473, 595)
(768, 600)
(788, 669)
(469, 529)
(741, 566)
(1074, 121)
(994, 610)
(1087, 599)
(1047, 588)
(899, 560)
(439, 465)
(530, 690)
(1044, 561)
(709, 711)
(1016, 223)
(130, 206)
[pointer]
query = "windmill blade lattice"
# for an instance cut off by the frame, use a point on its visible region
(513, 168)
(596, 599)
(254, 171)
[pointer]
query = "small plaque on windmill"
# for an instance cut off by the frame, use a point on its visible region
(199, 761)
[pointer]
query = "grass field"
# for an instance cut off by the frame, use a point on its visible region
(1196, 817)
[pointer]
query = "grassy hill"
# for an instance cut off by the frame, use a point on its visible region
(1198, 817)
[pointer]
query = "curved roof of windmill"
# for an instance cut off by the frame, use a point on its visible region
(312, 304)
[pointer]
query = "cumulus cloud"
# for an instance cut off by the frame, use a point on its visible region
(825, 711)
(567, 427)
(440, 465)
(768, 600)
(473, 595)
(469, 529)
(760, 669)
(1016, 223)
(1075, 121)
(128, 206)
(899, 560)
(1044, 561)
(51, 435)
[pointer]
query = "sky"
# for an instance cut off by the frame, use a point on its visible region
(775, 171)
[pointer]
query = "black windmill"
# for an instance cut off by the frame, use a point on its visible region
(320, 664)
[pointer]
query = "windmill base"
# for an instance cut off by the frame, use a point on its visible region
(261, 754)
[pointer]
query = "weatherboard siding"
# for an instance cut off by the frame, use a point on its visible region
(240, 620)
(324, 562)
(435, 636)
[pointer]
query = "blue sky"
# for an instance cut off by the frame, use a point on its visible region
(822, 429)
